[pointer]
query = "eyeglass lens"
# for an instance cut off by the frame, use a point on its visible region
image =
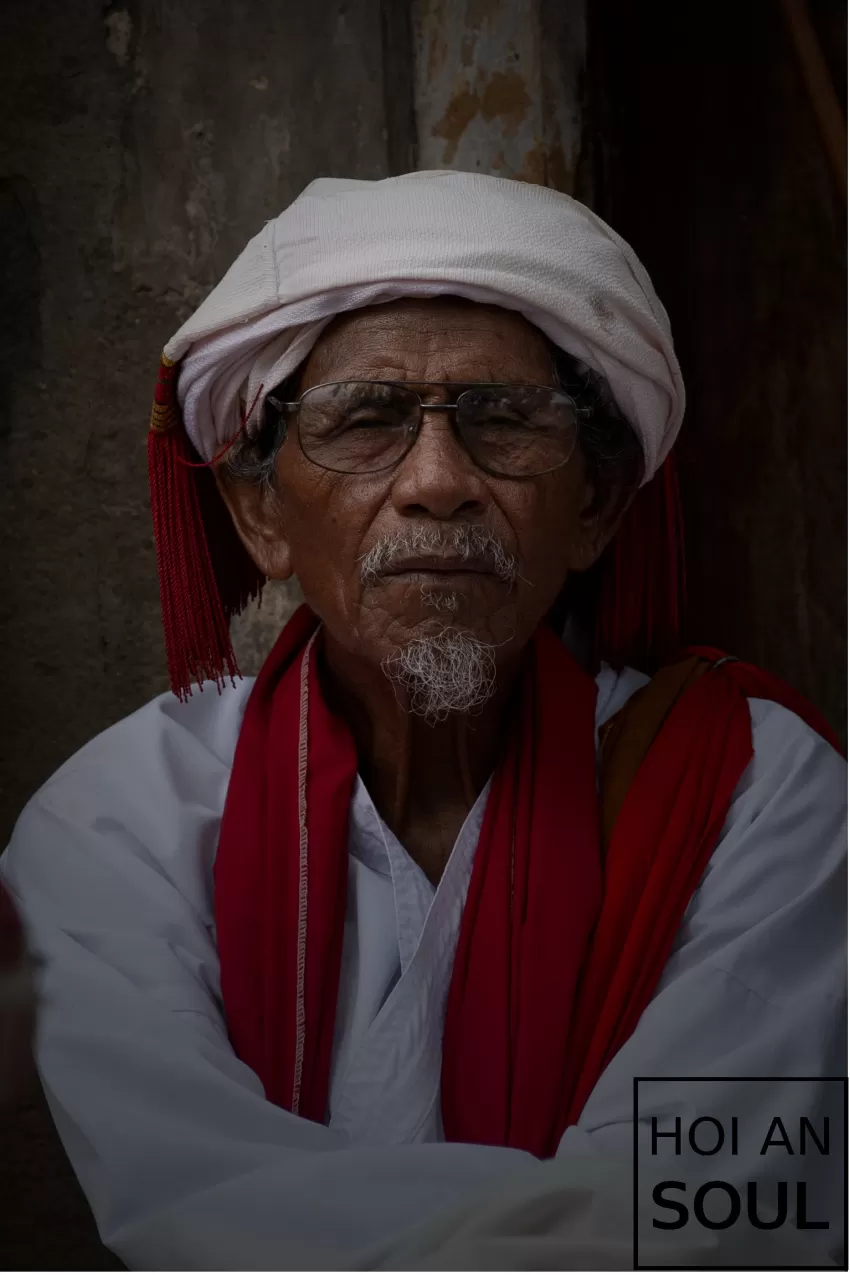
(361, 427)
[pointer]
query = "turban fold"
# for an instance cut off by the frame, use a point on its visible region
(346, 244)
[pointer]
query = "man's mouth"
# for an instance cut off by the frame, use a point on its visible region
(464, 557)
(433, 567)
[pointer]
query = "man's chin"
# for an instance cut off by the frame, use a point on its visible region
(483, 613)
(403, 630)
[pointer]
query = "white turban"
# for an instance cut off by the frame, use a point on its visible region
(346, 244)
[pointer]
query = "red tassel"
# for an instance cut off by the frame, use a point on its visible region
(205, 574)
(641, 600)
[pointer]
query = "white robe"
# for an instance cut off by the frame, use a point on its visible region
(183, 1161)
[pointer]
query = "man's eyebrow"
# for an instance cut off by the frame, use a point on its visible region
(380, 389)
(367, 390)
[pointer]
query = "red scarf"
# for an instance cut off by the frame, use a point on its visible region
(556, 960)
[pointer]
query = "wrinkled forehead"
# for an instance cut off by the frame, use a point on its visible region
(444, 338)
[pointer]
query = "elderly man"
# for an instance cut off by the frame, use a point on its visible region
(385, 936)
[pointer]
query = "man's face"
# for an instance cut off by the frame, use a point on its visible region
(322, 525)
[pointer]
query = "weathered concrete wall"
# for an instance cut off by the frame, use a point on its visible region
(142, 144)
(140, 150)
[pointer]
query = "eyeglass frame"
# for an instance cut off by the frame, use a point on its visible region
(414, 431)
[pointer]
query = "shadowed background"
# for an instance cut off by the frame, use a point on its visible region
(143, 143)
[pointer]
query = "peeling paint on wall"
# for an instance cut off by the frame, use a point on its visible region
(119, 29)
(498, 86)
(477, 84)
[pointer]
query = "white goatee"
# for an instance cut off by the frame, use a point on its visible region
(450, 673)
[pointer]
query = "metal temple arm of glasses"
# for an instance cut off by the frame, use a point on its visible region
(278, 405)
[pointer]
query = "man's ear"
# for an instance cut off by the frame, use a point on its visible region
(257, 518)
(602, 512)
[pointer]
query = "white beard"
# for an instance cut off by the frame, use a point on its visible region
(448, 602)
(450, 673)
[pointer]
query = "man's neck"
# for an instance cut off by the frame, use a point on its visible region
(424, 779)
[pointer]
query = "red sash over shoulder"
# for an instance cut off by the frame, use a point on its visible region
(556, 959)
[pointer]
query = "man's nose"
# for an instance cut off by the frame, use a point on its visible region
(437, 476)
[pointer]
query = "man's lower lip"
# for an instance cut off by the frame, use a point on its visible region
(452, 576)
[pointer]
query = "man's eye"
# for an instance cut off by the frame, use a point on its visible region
(503, 420)
(371, 421)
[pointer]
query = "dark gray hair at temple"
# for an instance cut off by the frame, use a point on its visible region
(610, 446)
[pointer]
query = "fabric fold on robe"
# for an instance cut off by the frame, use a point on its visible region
(556, 958)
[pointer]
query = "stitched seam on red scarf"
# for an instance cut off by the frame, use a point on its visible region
(303, 858)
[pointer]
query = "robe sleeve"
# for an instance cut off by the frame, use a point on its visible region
(185, 1164)
(756, 983)
(183, 1161)
(747, 1023)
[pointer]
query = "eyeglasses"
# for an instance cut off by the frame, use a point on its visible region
(363, 427)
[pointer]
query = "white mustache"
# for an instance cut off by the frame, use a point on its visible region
(464, 541)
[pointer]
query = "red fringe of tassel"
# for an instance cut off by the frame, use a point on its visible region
(205, 574)
(642, 594)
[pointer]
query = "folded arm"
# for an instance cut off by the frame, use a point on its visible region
(186, 1165)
